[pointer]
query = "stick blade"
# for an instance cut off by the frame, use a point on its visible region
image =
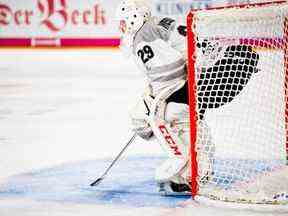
(97, 182)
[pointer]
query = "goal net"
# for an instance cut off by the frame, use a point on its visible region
(238, 79)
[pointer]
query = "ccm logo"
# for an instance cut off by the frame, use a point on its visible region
(169, 140)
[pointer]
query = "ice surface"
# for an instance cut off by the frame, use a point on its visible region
(61, 113)
(128, 190)
(59, 106)
(130, 183)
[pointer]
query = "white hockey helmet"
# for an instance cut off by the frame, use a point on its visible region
(132, 14)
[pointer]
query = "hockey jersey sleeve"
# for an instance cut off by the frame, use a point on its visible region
(169, 31)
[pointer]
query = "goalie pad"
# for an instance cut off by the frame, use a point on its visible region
(177, 167)
(173, 170)
(170, 124)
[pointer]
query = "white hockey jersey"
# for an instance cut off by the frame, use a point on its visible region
(160, 52)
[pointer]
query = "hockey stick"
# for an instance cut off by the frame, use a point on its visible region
(99, 180)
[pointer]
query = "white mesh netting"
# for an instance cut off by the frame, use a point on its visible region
(241, 76)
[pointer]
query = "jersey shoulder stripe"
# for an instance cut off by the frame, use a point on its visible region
(166, 23)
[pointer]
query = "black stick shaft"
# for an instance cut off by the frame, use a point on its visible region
(114, 161)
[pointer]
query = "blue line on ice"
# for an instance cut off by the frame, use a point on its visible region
(130, 183)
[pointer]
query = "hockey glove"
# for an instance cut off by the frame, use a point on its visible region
(139, 117)
(182, 30)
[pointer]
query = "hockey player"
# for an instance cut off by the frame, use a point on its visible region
(159, 50)
(158, 47)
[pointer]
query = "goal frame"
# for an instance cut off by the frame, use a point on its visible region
(192, 85)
